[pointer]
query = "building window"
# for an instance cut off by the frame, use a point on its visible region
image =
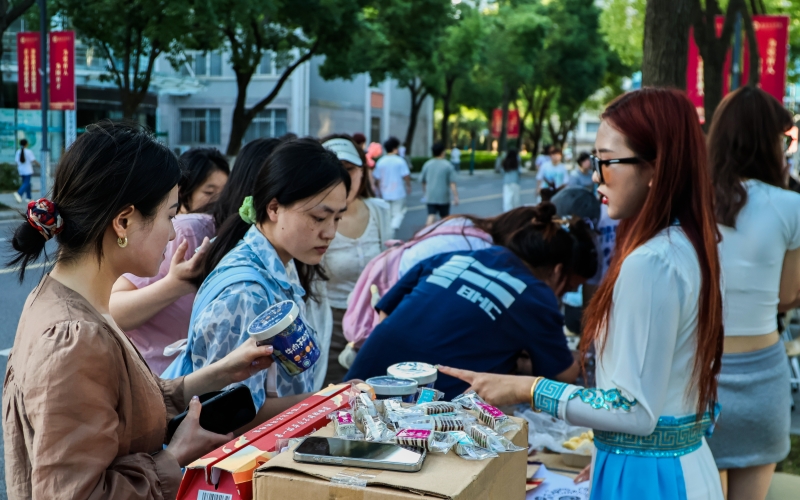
(200, 126)
(215, 64)
(592, 127)
(267, 123)
(200, 64)
(375, 129)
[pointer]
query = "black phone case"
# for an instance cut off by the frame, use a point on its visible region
(223, 411)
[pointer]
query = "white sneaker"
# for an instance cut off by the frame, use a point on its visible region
(17, 197)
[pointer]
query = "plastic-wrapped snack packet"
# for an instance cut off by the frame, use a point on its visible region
(447, 423)
(374, 428)
(467, 400)
(437, 442)
(468, 449)
(428, 395)
(344, 425)
(363, 401)
(489, 439)
(439, 423)
(494, 418)
(438, 407)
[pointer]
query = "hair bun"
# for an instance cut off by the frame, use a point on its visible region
(544, 212)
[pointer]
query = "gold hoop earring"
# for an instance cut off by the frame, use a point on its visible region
(122, 242)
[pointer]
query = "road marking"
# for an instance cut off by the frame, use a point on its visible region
(5, 352)
(16, 269)
(473, 200)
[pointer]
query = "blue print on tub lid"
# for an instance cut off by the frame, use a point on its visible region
(393, 386)
(423, 373)
(274, 320)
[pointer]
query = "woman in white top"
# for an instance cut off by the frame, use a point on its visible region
(760, 258)
(25, 161)
(656, 319)
(362, 232)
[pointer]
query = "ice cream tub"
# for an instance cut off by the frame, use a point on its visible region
(282, 327)
(386, 387)
(423, 373)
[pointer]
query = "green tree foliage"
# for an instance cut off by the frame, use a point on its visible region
(132, 34)
(294, 30)
(573, 66)
(622, 24)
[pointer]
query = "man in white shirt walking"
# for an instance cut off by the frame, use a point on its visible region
(25, 160)
(455, 158)
(553, 173)
(393, 180)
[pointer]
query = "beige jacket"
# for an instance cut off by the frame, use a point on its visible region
(83, 415)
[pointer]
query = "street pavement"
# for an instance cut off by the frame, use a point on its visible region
(480, 194)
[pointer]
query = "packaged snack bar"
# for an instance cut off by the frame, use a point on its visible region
(468, 449)
(344, 425)
(438, 407)
(488, 414)
(363, 401)
(438, 442)
(428, 395)
(374, 428)
(489, 439)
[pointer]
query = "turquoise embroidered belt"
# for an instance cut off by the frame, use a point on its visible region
(673, 437)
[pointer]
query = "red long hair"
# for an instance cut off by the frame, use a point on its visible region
(661, 127)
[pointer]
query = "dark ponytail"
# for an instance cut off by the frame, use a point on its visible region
(297, 169)
(22, 144)
(107, 169)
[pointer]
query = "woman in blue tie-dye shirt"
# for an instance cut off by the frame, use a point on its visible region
(282, 232)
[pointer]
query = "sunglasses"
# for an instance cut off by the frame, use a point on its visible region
(597, 164)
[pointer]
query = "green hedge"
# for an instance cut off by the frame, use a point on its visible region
(484, 160)
(9, 178)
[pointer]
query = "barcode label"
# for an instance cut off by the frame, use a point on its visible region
(213, 495)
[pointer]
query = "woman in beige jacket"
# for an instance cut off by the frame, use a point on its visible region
(83, 415)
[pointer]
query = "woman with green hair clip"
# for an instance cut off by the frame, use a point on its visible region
(267, 253)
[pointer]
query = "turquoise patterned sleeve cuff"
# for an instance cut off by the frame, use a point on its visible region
(600, 399)
(551, 397)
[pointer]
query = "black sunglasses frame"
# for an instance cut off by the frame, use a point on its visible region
(597, 164)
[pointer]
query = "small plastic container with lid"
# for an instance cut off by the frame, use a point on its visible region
(282, 327)
(423, 373)
(386, 387)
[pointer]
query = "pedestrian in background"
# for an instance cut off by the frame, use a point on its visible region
(553, 173)
(455, 158)
(360, 237)
(511, 196)
(438, 181)
(542, 157)
(393, 180)
(581, 177)
(25, 162)
(760, 257)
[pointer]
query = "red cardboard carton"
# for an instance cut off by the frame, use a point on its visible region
(228, 470)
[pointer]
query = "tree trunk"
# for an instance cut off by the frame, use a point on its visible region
(448, 93)
(501, 143)
(240, 122)
(2, 85)
(666, 43)
(754, 75)
(418, 96)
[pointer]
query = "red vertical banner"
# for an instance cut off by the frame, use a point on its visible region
(29, 90)
(513, 124)
(694, 75)
(772, 35)
(497, 122)
(62, 70)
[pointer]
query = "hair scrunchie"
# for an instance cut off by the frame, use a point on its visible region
(44, 217)
(247, 211)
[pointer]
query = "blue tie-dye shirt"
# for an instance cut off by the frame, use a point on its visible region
(221, 326)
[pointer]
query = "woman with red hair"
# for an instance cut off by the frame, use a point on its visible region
(656, 320)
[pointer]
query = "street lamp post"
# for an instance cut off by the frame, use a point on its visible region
(45, 176)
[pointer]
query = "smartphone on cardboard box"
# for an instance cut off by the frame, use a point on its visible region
(335, 451)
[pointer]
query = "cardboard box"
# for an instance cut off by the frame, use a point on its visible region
(442, 476)
(229, 469)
